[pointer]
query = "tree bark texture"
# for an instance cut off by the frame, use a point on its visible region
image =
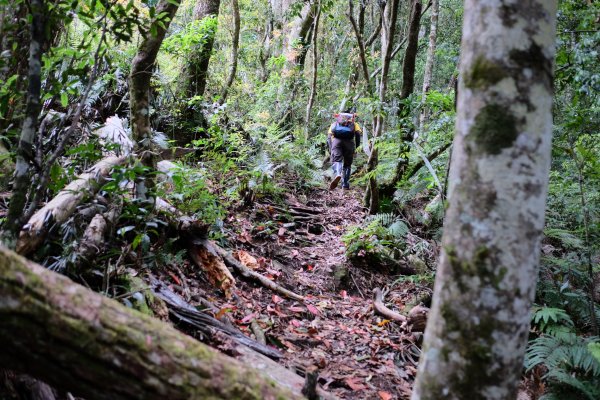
(60, 208)
(430, 60)
(25, 151)
(139, 90)
(235, 44)
(478, 327)
(197, 65)
(315, 71)
(94, 347)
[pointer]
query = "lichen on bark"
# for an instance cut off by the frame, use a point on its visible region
(494, 129)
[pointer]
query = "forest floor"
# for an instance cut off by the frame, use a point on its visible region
(359, 355)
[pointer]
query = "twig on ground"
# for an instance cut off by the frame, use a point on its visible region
(356, 284)
(258, 332)
(249, 274)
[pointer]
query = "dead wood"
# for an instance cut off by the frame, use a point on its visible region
(79, 341)
(310, 383)
(382, 310)
(247, 273)
(205, 255)
(258, 332)
(60, 208)
(206, 324)
(93, 237)
(417, 318)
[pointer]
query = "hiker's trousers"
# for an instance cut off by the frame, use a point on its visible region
(342, 150)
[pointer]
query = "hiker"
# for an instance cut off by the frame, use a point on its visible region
(343, 138)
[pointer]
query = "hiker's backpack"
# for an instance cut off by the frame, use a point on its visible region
(344, 127)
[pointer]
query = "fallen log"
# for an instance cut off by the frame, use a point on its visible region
(182, 311)
(382, 310)
(60, 208)
(94, 347)
(255, 276)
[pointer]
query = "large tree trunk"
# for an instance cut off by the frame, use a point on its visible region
(197, 65)
(478, 327)
(235, 42)
(94, 347)
(428, 73)
(14, 219)
(139, 91)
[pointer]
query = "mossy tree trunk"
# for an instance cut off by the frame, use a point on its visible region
(390, 16)
(408, 86)
(15, 219)
(139, 91)
(235, 44)
(94, 347)
(198, 62)
(479, 323)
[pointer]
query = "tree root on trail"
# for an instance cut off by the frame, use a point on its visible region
(247, 273)
(60, 208)
(382, 310)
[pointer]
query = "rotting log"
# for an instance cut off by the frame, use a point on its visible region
(94, 347)
(382, 310)
(247, 273)
(62, 206)
(205, 255)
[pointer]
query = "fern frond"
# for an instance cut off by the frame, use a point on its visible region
(566, 237)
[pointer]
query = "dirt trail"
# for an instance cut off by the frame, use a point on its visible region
(298, 244)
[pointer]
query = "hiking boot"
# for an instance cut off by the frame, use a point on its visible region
(346, 187)
(335, 182)
(346, 181)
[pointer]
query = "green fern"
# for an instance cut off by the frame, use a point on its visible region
(571, 365)
(566, 237)
(546, 317)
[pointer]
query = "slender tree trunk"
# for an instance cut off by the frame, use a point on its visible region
(14, 37)
(412, 47)
(390, 16)
(430, 61)
(408, 86)
(94, 347)
(14, 219)
(197, 66)
(234, 50)
(139, 92)
(485, 284)
(313, 85)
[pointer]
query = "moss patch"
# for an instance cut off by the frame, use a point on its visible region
(495, 128)
(484, 73)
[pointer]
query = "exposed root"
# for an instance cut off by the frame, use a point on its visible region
(382, 310)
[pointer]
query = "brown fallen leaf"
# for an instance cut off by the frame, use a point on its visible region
(384, 395)
(355, 384)
(246, 259)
